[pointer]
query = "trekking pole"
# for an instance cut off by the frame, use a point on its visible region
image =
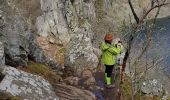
(115, 73)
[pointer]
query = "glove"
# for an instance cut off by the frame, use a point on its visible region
(119, 44)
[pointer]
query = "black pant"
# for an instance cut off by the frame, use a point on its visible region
(108, 70)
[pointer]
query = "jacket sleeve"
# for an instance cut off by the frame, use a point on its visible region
(104, 47)
(114, 50)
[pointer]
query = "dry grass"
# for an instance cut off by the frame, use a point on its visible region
(126, 88)
(127, 93)
(59, 56)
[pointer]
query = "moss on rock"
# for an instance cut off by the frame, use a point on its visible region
(44, 71)
(5, 96)
(59, 56)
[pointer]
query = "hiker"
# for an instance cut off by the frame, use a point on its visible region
(109, 53)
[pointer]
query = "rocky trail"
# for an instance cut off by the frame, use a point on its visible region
(106, 93)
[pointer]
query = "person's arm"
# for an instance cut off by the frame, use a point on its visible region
(104, 47)
(115, 50)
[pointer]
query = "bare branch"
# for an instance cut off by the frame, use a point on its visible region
(146, 14)
(133, 11)
(159, 8)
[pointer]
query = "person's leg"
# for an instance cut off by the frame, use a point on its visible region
(108, 74)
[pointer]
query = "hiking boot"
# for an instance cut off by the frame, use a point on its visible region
(110, 86)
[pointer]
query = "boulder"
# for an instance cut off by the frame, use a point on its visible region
(11, 34)
(85, 80)
(79, 54)
(73, 81)
(152, 87)
(66, 92)
(2, 55)
(37, 54)
(25, 85)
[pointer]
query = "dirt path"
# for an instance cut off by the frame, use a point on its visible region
(106, 94)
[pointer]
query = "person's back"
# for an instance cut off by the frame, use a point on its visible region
(109, 53)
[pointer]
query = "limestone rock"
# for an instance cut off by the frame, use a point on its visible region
(79, 54)
(85, 8)
(15, 35)
(18, 38)
(87, 74)
(72, 80)
(85, 80)
(53, 21)
(71, 15)
(11, 34)
(2, 55)
(26, 86)
(66, 92)
(153, 87)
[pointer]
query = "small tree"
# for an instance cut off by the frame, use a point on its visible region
(135, 30)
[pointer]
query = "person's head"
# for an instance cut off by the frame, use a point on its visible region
(108, 38)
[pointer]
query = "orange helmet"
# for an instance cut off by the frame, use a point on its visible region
(108, 37)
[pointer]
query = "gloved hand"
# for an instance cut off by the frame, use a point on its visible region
(120, 45)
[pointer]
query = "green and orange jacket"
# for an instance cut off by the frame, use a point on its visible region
(109, 53)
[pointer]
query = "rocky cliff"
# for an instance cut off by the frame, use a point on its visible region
(77, 25)
(58, 21)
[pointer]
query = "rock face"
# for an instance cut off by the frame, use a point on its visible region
(2, 55)
(53, 21)
(85, 9)
(18, 37)
(152, 87)
(79, 54)
(11, 34)
(26, 86)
